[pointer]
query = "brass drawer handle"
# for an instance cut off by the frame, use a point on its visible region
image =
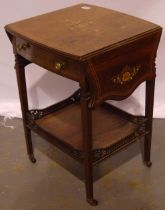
(59, 65)
(127, 74)
(22, 46)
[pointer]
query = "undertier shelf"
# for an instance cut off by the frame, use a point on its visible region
(112, 130)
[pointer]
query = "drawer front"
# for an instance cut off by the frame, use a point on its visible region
(48, 59)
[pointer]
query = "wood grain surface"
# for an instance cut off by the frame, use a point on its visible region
(108, 128)
(79, 31)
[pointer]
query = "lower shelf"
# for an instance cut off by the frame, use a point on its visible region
(111, 130)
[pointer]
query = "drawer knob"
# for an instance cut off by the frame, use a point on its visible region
(22, 46)
(59, 65)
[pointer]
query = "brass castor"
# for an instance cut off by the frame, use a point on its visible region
(92, 202)
(32, 158)
(148, 163)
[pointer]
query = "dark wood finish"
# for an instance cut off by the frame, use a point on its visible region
(81, 33)
(86, 121)
(61, 37)
(150, 86)
(61, 125)
(20, 64)
(135, 59)
(109, 54)
(66, 124)
(47, 59)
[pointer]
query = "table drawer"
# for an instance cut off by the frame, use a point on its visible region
(48, 59)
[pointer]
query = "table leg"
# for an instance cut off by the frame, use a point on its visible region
(20, 64)
(150, 86)
(86, 116)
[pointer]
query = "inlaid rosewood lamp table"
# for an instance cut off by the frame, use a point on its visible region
(109, 54)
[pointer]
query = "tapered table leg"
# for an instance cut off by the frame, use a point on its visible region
(86, 116)
(150, 86)
(20, 64)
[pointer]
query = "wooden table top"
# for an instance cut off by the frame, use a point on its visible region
(81, 30)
